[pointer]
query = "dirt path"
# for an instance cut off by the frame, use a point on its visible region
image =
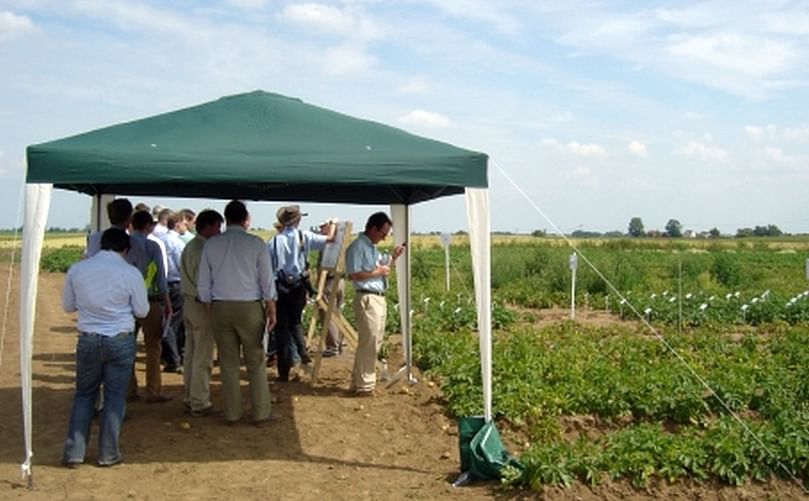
(326, 446)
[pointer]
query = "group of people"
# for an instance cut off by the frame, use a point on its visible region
(190, 287)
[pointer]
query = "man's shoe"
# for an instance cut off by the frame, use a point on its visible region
(268, 421)
(329, 352)
(71, 464)
(173, 368)
(158, 399)
(205, 411)
(364, 393)
(107, 464)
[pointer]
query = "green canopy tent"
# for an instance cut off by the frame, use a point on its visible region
(257, 146)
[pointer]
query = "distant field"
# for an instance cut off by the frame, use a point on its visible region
(57, 240)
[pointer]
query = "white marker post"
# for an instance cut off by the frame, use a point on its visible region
(574, 263)
(446, 238)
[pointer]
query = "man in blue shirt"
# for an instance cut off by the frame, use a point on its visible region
(151, 267)
(108, 293)
(288, 251)
(368, 271)
(235, 278)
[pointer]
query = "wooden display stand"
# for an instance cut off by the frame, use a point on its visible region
(332, 314)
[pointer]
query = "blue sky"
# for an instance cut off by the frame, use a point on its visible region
(599, 111)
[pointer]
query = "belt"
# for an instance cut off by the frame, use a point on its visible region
(368, 291)
(120, 334)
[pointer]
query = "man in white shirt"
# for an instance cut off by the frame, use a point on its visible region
(108, 293)
(235, 277)
(174, 340)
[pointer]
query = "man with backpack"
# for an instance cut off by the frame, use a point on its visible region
(288, 251)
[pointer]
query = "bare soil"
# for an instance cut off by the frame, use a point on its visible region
(327, 444)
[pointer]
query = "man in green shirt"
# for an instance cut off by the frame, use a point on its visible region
(199, 339)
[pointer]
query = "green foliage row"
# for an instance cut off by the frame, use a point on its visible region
(60, 260)
(619, 376)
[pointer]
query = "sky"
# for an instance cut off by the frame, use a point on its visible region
(592, 112)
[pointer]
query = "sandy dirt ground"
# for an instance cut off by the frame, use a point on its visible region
(327, 444)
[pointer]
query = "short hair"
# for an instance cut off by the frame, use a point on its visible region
(377, 220)
(172, 219)
(207, 218)
(235, 212)
(142, 206)
(187, 214)
(142, 220)
(115, 239)
(164, 213)
(119, 211)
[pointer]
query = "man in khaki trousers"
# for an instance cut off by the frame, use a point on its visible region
(199, 341)
(368, 271)
(235, 278)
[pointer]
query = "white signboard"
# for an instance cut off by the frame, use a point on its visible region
(332, 250)
(446, 238)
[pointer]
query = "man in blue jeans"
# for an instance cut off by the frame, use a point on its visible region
(108, 293)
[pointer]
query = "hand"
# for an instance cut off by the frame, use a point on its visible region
(398, 251)
(382, 271)
(270, 314)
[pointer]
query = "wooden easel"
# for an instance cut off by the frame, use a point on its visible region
(332, 313)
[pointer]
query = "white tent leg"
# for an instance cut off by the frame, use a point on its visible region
(477, 211)
(98, 212)
(400, 214)
(37, 203)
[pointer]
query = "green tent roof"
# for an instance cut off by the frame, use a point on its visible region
(258, 146)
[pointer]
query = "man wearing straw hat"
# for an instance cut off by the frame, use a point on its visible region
(288, 251)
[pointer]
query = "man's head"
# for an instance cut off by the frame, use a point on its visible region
(174, 221)
(142, 222)
(142, 206)
(209, 223)
(236, 213)
(188, 218)
(290, 215)
(115, 239)
(119, 211)
(156, 211)
(163, 216)
(378, 227)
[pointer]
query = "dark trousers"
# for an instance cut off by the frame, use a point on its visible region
(289, 329)
(174, 341)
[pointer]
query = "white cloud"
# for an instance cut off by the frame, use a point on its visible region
(777, 155)
(347, 59)
(799, 134)
(692, 115)
(579, 171)
(637, 149)
(479, 10)
(330, 19)
(417, 85)
(748, 55)
(248, 4)
(421, 118)
(12, 25)
(702, 151)
(758, 133)
(576, 148)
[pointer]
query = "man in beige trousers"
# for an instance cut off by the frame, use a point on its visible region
(235, 278)
(199, 341)
(368, 271)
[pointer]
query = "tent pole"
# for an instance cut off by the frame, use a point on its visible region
(400, 214)
(37, 203)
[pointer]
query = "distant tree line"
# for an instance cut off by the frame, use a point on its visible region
(673, 229)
